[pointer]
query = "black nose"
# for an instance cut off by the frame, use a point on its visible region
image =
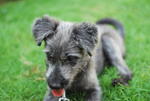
(56, 83)
(56, 80)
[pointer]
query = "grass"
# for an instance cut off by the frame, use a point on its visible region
(22, 62)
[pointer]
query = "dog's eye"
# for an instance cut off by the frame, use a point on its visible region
(49, 57)
(72, 60)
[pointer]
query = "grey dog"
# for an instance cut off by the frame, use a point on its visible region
(77, 52)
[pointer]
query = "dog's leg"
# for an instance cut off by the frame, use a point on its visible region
(93, 94)
(91, 85)
(115, 56)
(50, 97)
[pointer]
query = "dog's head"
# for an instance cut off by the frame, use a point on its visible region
(68, 48)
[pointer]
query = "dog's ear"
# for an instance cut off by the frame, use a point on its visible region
(86, 35)
(44, 28)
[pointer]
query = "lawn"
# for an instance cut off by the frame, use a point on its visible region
(22, 64)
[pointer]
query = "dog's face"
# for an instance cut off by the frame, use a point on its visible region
(68, 48)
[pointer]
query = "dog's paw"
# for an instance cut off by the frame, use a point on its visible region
(119, 81)
(124, 80)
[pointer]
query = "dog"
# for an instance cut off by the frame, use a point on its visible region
(77, 52)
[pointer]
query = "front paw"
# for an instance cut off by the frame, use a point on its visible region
(124, 80)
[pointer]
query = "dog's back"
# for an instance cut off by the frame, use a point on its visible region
(116, 34)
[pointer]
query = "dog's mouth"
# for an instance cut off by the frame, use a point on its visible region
(58, 92)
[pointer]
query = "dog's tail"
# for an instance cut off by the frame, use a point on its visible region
(114, 23)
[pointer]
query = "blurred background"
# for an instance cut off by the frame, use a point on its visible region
(22, 64)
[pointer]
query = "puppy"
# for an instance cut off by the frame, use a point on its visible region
(77, 52)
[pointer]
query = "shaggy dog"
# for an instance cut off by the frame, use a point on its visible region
(77, 52)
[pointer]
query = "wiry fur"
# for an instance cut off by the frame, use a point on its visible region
(76, 53)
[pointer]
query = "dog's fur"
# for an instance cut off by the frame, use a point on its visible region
(78, 52)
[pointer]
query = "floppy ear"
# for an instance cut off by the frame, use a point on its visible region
(86, 35)
(44, 27)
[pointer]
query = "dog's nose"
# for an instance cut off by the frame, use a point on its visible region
(55, 85)
(56, 80)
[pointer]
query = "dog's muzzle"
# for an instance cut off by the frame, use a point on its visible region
(57, 82)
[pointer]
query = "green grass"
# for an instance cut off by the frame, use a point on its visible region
(22, 62)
